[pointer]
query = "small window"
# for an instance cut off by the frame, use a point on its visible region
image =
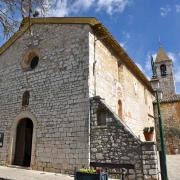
(30, 60)
(25, 100)
(34, 62)
(163, 70)
(101, 117)
(120, 109)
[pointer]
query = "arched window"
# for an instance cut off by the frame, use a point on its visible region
(25, 99)
(163, 70)
(120, 109)
(101, 117)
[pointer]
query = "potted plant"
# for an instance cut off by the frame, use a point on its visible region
(90, 174)
(174, 150)
(148, 133)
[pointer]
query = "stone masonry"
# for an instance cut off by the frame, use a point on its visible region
(74, 66)
(110, 78)
(170, 112)
(116, 143)
(170, 102)
(58, 95)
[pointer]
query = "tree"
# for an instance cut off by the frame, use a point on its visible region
(12, 11)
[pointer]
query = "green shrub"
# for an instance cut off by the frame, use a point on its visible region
(90, 171)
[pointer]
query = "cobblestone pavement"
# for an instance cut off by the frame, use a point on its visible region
(173, 165)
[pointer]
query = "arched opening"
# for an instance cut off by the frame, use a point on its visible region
(25, 99)
(163, 70)
(34, 62)
(30, 60)
(120, 109)
(23, 146)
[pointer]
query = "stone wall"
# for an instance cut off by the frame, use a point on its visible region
(59, 97)
(167, 82)
(112, 80)
(116, 143)
(170, 112)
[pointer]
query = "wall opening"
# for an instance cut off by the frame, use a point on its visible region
(101, 117)
(120, 109)
(163, 70)
(34, 62)
(25, 98)
(23, 146)
(30, 60)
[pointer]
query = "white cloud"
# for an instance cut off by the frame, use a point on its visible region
(60, 9)
(148, 60)
(112, 6)
(81, 5)
(177, 75)
(177, 8)
(126, 34)
(140, 67)
(164, 11)
(67, 7)
(122, 44)
(172, 56)
(126, 37)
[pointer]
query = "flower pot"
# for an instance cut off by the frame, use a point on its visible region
(174, 150)
(149, 136)
(91, 176)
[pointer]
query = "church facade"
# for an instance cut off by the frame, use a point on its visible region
(70, 95)
(170, 102)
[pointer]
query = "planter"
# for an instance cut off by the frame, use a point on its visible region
(174, 150)
(91, 176)
(149, 136)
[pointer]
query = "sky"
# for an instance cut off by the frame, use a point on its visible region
(140, 26)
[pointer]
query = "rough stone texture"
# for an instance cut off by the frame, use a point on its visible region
(170, 104)
(170, 112)
(116, 143)
(58, 95)
(72, 68)
(167, 82)
(112, 80)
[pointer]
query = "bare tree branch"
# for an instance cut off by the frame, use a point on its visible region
(12, 11)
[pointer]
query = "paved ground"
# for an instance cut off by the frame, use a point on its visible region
(23, 174)
(173, 162)
(173, 165)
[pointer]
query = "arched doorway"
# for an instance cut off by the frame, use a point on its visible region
(23, 146)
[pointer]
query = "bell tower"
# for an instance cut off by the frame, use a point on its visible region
(164, 68)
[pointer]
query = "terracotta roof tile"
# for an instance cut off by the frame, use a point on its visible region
(170, 98)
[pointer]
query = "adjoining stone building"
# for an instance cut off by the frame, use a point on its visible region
(170, 102)
(71, 95)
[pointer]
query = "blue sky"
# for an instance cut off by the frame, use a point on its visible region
(138, 25)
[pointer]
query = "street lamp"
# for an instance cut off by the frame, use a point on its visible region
(156, 88)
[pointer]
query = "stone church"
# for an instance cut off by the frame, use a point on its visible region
(170, 102)
(70, 95)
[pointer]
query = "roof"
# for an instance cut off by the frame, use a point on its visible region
(161, 55)
(98, 28)
(170, 99)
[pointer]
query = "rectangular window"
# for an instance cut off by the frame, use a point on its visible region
(101, 117)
